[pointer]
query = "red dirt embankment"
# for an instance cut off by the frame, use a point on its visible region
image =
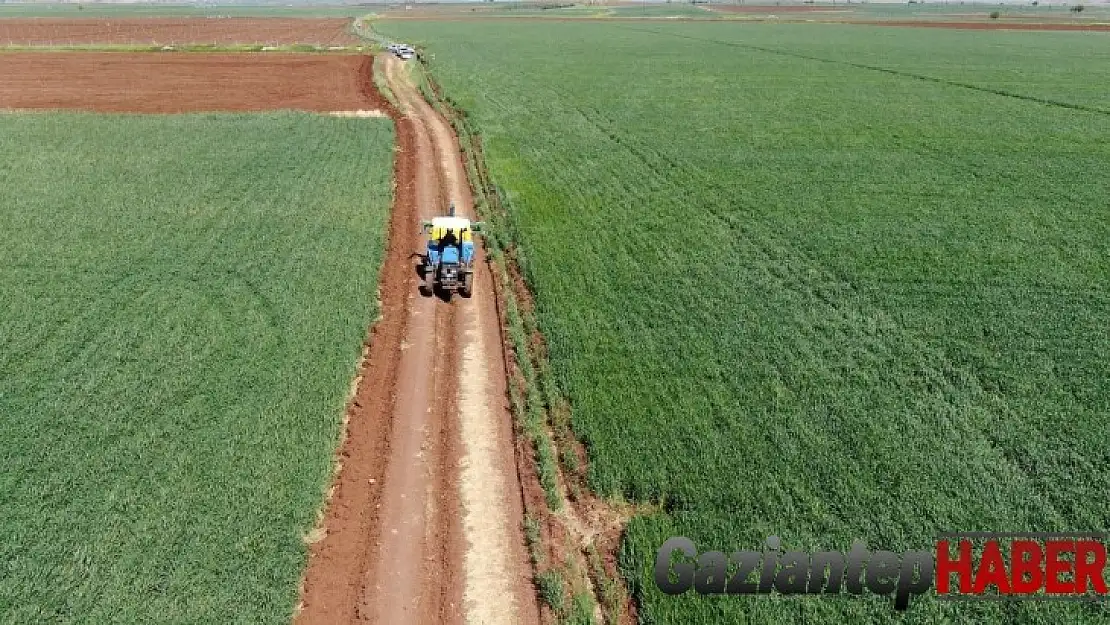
(169, 82)
(196, 30)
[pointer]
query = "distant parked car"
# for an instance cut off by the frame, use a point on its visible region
(402, 50)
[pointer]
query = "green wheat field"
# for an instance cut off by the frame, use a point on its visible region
(824, 282)
(182, 305)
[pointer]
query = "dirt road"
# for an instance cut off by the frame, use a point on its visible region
(424, 523)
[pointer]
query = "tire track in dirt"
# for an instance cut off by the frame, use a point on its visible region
(425, 523)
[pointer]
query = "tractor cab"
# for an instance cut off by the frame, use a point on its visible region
(449, 256)
(450, 240)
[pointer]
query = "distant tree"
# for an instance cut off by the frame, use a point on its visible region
(1077, 8)
(994, 15)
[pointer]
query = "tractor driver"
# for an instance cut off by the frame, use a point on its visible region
(448, 239)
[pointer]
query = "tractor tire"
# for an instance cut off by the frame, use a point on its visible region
(429, 286)
(466, 288)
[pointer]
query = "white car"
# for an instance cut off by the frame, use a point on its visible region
(402, 50)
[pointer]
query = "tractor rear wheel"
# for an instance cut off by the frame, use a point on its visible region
(467, 284)
(429, 286)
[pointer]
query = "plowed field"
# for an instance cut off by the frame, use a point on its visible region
(229, 30)
(183, 82)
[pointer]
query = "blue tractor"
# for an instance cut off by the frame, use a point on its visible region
(449, 260)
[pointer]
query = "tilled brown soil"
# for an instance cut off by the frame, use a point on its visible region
(178, 82)
(178, 30)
